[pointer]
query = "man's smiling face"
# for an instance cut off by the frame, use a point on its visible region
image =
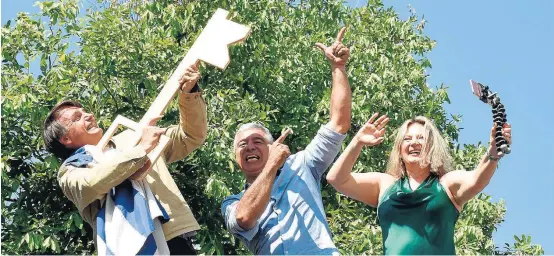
(81, 126)
(251, 151)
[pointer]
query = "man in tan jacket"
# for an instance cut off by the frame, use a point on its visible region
(68, 127)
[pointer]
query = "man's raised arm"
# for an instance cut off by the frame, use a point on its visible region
(193, 125)
(341, 96)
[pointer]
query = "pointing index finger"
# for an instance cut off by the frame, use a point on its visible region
(284, 135)
(341, 34)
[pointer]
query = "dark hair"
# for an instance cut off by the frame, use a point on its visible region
(53, 131)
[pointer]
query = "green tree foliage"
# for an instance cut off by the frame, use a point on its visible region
(113, 57)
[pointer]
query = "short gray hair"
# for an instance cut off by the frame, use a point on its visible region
(253, 125)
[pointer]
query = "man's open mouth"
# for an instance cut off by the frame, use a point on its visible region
(252, 158)
(92, 126)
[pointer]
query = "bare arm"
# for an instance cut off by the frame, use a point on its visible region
(341, 96)
(341, 100)
(364, 187)
(255, 199)
(464, 185)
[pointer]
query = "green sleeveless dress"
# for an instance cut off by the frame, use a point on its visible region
(417, 221)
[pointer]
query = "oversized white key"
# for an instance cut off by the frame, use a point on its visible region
(211, 46)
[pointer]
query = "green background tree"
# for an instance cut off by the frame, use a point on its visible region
(113, 56)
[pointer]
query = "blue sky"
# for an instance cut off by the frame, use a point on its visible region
(510, 47)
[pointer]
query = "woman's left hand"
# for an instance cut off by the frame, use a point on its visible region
(372, 133)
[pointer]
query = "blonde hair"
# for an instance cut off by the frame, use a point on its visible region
(434, 151)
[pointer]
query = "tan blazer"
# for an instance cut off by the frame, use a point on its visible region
(87, 187)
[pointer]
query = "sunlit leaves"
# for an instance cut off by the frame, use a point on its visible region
(113, 57)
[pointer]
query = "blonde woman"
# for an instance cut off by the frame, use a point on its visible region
(419, 198)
